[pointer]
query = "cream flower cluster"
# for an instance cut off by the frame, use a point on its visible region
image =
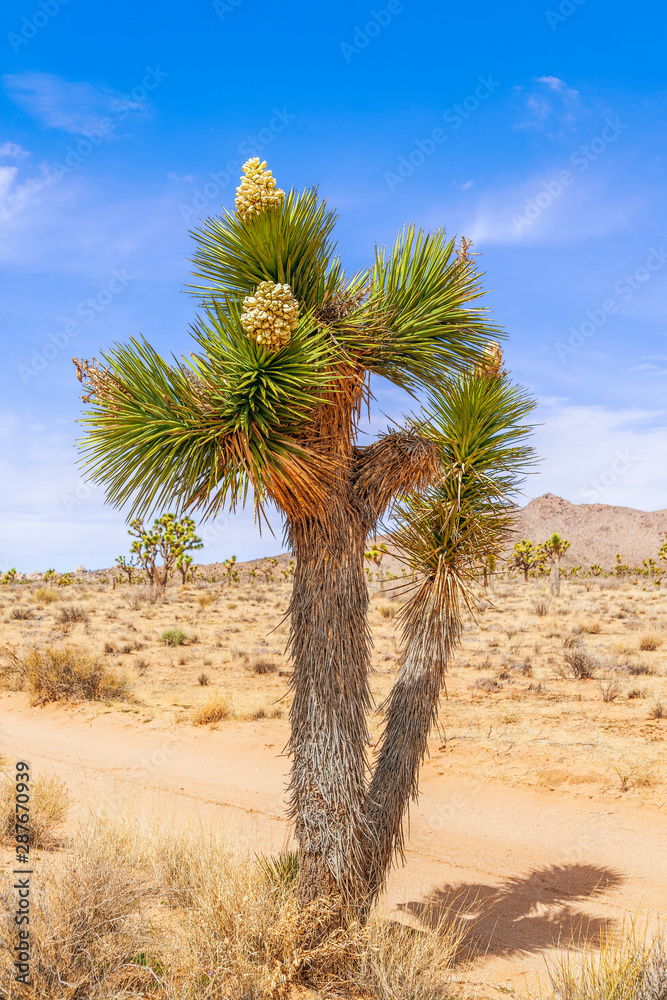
(270, 315)
(257, 189)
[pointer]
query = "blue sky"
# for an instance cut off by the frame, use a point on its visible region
(535, 128)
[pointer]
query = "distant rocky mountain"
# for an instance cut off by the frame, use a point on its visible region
(596, 531)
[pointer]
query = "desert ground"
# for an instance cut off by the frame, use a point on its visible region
(542, 808)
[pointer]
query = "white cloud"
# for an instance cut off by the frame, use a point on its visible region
(594, 454)
(11, 149)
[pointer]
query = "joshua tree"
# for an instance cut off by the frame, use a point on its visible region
(168, 540)
(555, 548)
(376, 554)
(526, 556)
(270, 404)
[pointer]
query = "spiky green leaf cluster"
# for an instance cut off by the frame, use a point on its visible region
(478, 425)
(203, 431)
(290, 245)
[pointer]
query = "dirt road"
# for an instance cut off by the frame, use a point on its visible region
(528, 868)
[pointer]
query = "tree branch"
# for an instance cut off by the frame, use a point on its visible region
(398, 462)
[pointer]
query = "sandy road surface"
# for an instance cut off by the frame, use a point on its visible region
(527, 867)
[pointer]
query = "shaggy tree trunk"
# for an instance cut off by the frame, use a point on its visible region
(431, 632)
(330, 651)
(330, 648)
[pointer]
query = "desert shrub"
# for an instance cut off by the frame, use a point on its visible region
(46, 595)
(109, 647)
(131, 647)
(639, 669)
(22, 614)
(204, 600)
(173, 637)
(137, 597)
(541, 608)
(84, 924)
(71, 613)
(636, 692)
(203, 680)
(262, 665)
(650, 641)
(488, 684)
(64, 673)
(657, 710)
(537, 689)
(592, 626)
(239, 653)
(215, 708)
(580, 662)
(49, 803)
(609, 689)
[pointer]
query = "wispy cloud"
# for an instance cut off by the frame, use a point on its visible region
(75, 108)
(17, 198)
(10, 150)
(596, 454)
(551, 107)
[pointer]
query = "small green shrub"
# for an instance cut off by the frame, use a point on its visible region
(173, 637)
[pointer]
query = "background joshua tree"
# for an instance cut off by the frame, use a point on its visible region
(376, 554)
(554, 549)
(525, 556)
(269, 407)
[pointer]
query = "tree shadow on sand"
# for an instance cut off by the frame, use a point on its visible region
(523, 914)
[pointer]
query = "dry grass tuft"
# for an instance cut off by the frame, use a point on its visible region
(388, 609)
(217, 707)
(262, 665)
(49, 804)
(64, 673)
(86, 928)
(623, 966)
(650, 641)
(70, 614)
(46, 595)
(22, 614)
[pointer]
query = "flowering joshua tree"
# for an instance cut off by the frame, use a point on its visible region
(269, 406)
